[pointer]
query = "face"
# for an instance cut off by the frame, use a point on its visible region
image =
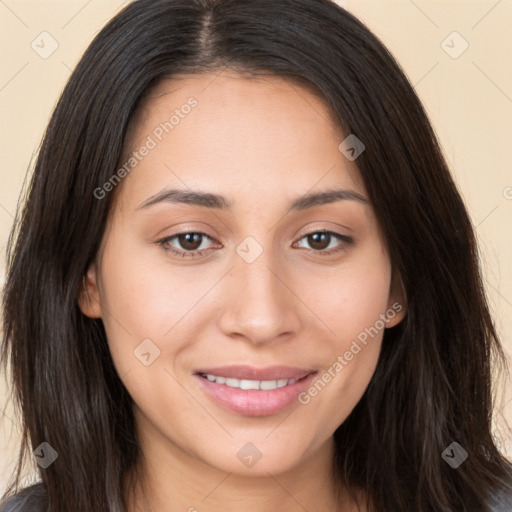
(255, 334)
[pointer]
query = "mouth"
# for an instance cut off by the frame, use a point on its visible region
(254, 392)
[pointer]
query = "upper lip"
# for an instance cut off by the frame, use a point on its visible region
(251, 373)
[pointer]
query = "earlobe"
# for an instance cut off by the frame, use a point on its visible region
(89, 298)
(397, 304)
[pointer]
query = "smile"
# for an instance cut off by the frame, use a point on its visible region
(251, 391)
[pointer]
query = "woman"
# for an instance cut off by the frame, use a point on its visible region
(244, 278)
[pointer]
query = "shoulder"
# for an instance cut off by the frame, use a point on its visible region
(29, 499)
(501, 501)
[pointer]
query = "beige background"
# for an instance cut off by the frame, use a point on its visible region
(469, 99)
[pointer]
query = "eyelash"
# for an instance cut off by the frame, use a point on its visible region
(194, 254)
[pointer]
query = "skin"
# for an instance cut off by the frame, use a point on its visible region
(260, 143)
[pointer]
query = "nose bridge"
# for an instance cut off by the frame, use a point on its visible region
(256, 267)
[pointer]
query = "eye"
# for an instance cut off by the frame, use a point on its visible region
(319, 241)
(190, 243)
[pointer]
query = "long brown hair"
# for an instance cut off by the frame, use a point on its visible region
(432, 385)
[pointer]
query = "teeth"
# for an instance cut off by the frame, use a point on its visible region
(251, 384)
(268, 384)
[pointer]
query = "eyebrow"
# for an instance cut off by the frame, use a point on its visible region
(209, 200)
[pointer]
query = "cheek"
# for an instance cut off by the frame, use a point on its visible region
(135, 305)
(350, 298)
(351, 305)
(143, 293)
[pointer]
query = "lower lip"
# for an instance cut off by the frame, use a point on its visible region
(255, 402)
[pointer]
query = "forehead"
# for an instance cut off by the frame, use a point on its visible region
(249, 134)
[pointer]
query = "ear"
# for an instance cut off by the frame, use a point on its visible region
(89, 298)
(397, 302)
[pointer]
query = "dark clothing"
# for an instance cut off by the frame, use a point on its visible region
(33, 499)
(30, 499)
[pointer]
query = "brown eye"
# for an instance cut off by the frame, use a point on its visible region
(322, 241)
(186, 244)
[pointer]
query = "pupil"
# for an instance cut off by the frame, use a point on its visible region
(189, 242)
(316, 240)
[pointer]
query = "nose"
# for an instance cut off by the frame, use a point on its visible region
(260, 304)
